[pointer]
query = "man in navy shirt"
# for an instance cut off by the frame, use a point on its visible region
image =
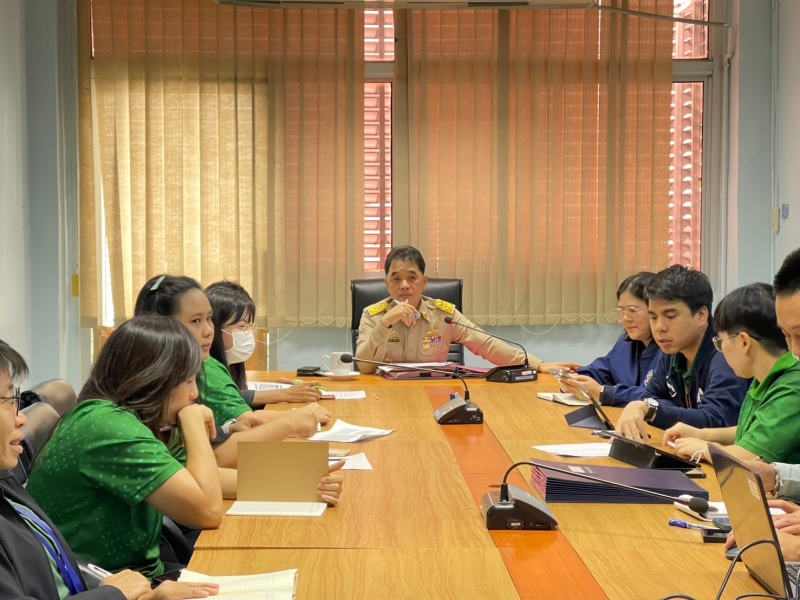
(692, 382)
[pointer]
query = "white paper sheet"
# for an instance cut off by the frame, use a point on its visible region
(357, 462)
(577, 450)
(347, 433)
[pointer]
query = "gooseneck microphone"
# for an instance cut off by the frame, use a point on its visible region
(458, 411)
(514, 508)
(698, 505)
(452, 321)
(508, 374)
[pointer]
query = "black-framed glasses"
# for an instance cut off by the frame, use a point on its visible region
(16, 399)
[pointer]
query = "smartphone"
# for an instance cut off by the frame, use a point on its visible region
(168, 576)
(714, 536)
(309, 372)
(731, 552)
(722, 523)
(559, 374)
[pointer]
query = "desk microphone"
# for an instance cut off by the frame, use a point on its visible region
(509, 374)
(458, 411)
(501, 511)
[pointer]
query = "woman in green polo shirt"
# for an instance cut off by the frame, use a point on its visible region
(107, 474)
(755, 347)
(183, 299)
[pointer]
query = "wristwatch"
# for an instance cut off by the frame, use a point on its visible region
(652, 410)
(226, 426)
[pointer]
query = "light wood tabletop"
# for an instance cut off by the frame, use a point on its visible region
(411, 528)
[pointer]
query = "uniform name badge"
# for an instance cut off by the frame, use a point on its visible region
(394, 337)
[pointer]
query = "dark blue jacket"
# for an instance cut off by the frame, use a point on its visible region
(625, 371)
(712, 397)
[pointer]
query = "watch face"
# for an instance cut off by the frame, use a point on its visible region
(651, 403)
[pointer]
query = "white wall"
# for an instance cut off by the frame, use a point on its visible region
(15, 299)
(750, 237)
(788, 156)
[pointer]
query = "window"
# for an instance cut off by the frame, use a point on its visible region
(686, 174)
(377, 175)
(690, 45)
(690, 41)
(378, 48)
(686, 168)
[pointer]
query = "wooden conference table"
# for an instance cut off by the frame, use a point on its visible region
(412, 528)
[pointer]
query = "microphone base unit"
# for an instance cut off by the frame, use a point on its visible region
(522, 512)
(514, 374)
(458, 412)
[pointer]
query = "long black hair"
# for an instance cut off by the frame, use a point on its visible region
(230, 303)
(141, 363)
(162, 295)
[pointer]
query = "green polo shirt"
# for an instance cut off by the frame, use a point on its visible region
(219, 392)
(92, 479)
(769, 423)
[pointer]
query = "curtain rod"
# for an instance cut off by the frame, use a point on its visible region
(636, 13)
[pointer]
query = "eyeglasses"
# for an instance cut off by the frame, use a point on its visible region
(719, 339)
(15, 399)
(628, 311)
(249, 328)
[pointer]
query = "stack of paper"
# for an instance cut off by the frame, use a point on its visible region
(344, 432)
(579, 450)
(563, 487)
(281, 585)
(418, 371)
(357, 462)
(267, 386)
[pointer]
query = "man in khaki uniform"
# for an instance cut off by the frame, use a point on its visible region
(409, 327)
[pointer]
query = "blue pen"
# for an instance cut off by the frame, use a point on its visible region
(685, 524)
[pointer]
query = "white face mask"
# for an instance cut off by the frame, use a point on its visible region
(244, 344)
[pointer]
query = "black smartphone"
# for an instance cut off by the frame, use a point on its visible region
(309, 372)
(168, 576)
(714, 536)
(722, 523)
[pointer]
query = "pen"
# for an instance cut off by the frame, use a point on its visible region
(685, 524)
(102, 573)
(416, 314)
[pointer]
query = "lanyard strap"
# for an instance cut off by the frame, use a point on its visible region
(54, 549)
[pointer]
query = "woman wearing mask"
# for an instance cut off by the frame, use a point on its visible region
(233, 315)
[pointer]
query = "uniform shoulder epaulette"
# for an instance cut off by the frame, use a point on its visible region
(447, 307)
(378, 308)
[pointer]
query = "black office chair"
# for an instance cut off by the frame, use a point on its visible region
(42, 418)
(58, 393)
(366, 292)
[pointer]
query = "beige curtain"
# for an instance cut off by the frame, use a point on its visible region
(536, 164)
(230, 146)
